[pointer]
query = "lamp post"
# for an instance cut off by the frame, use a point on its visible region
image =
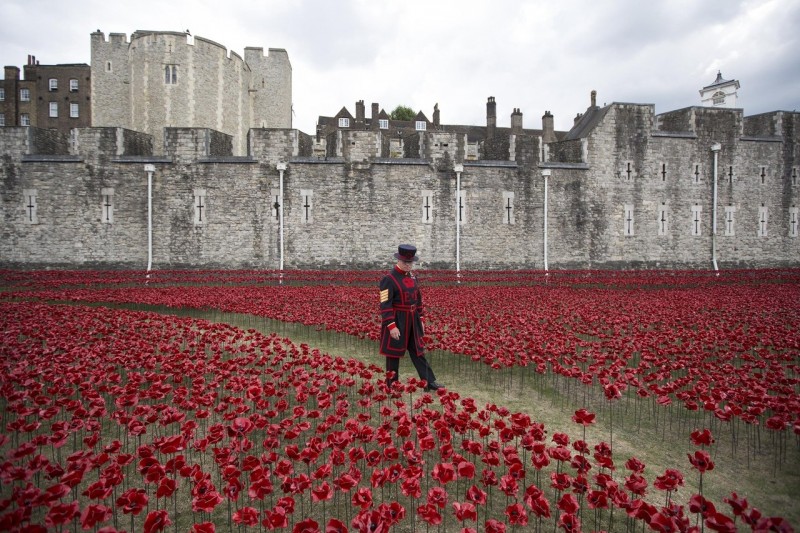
(149, 168)
(715, 148)
(545, 174)
(281, 169)
(459, 168)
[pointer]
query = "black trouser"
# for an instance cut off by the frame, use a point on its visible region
(420, 363)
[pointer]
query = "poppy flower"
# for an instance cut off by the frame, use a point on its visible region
(306, 526)
(494, 526)
(465, 511)
(204, 527)
(430, 514)
(156, 521)
(61, 513)
(569, 523)
(701, 460)
(476, 495)
(516, 515)
(702, 437)
(95, 514)
(699, 505)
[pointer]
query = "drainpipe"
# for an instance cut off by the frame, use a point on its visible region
(716, 147)
(281, 168)
(149, 169)
(459, 168)
(545, 174)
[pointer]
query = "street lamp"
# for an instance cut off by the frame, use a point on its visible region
(545, 174)
(459, 168)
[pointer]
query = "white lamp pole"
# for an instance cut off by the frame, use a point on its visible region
(281, 169)
(149, 169)
(715, 148)
(545, 174)
(459, 168)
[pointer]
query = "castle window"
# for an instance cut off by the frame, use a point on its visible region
(73, 85)
(2, 94)
(696, 221)
(762, 221)
(793, 221)
(30, 205)
(461, 207)
(718, 98)
(171, 74)
(662, 172)
(53, 109)
(344, 122)
(53, 84)
(2, 119)
(107, 207)
(730, 211)
(73, 111)
(383, 124)
(508, 207)
(306, 206)
(108, 66)
(24, 119)
(275, 204)
(730, 175)
(421, 125)
(200, 207)
(628, 220)
(696, 173)
(762, 174)
(626, 173)
(663, 219)
(427, 207)
(794, 176)
(24, 95)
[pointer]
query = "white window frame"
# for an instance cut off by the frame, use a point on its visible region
(663, 219)
(421, 125)
(73, 85)
(74, 110)
(344, 122)
(508, 208)
(53, 110)
(383, 123)
(52, 84)
(763, 220)
(627, 220)
(24, 119)
(107, 206)
(696, 221)
(200, 207)
(730, 221)
(427, 207)
(306, 206)
(30, 205)
(24, 95)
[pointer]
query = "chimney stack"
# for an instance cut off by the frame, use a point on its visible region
(436, 116)
(360, 112)
(491, 114)
(548, 128)
(594, 98)
(516, 121)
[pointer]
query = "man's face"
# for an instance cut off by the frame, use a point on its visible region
(405, 266)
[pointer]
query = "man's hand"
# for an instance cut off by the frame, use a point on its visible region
(394, 333)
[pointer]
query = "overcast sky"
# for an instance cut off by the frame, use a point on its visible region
(528, 54)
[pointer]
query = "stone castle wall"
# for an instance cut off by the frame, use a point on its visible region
(635, 192)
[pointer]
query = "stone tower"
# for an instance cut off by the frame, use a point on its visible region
(171, 79)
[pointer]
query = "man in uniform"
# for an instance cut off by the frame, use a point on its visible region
(401, 318)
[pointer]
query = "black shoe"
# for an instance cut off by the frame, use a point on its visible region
(434, 386)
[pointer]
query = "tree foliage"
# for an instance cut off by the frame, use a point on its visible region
(402, 112)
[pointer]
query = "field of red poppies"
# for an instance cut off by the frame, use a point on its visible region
(120, 418)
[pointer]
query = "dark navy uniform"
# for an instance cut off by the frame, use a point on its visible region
(401, 307)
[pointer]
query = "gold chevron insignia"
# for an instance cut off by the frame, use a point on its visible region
(384, 295)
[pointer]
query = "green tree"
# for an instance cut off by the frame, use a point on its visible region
(402, 112)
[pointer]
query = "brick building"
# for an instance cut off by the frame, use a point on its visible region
(55, 97)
